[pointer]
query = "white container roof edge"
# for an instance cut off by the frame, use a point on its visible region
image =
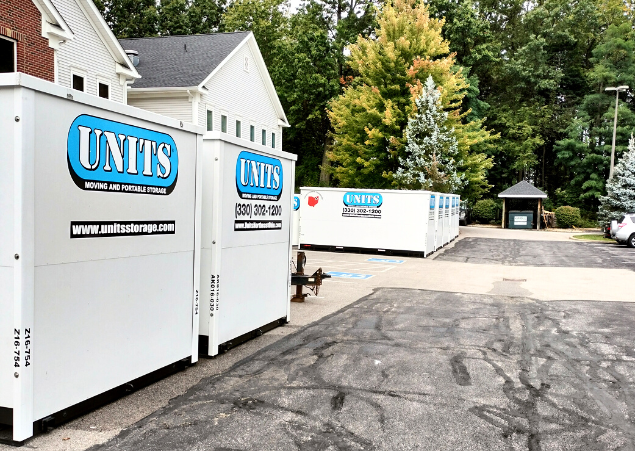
(405, 191)
(15, 79)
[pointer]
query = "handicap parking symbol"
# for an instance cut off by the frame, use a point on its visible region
(349, 275)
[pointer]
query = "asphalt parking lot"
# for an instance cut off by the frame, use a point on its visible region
(540, 253)
(449, 352)
(410, 369)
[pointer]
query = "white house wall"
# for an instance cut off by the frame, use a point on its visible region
(86, 54)
(179, 108)
(240, 95)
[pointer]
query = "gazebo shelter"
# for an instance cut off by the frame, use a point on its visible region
(522, 197)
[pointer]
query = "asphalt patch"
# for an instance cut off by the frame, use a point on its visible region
(409, 369)
(568, 254)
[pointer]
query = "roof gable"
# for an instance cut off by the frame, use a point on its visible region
(523, 189)
(53, 23)
(181, 61)
(190, 61)
(94, 18)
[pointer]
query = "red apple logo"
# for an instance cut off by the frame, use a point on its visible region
(313, 201)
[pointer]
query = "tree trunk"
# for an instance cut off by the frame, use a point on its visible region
(325, 174)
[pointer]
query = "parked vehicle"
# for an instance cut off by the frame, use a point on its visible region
(464, 214)
(612, 229)
(625, 233)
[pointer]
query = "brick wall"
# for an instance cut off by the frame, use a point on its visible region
(21, 21)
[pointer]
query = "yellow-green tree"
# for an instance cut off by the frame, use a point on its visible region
(370, 117)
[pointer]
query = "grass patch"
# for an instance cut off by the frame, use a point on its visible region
(593, 238)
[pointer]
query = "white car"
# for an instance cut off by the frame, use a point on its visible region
(626, 230)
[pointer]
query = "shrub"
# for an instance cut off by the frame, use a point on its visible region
(568, 216)
(485, 210)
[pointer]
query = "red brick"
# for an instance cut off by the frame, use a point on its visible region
(24, 20)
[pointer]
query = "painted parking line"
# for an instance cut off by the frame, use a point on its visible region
(344, 266)
(385, 260)
(349, 275)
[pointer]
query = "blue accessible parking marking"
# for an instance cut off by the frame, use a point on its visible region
(349, 275)
(385, 260)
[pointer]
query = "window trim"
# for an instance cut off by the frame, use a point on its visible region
(79, 73)
(223, 126)
(15, 51)
(103, 81)
(209, 109)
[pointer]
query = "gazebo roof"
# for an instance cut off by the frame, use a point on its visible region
(523, 190)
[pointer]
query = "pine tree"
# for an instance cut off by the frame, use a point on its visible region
(432, 148)
(620, 197)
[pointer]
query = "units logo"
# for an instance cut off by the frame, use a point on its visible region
(432, 202)
(296, 203)
(258, 177)
(105, 155)
(447, 202)
(363, 200)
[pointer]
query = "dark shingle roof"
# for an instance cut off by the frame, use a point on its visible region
(180, 61)
(523, 189)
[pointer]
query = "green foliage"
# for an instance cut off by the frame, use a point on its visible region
(370, 117)
(143, 18)
(567, 217)
(620, 196)
(130, 18)
(532, 74)
(267, 21)
(485, 210)
(306, 82)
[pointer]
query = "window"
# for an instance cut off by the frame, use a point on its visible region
(246, 64)
(264, 137)
(7, 55)
(252, 133)
(223, 123)
(78, 82)
(238, 129)
(210, 120)
(273, 140)
(104, 90)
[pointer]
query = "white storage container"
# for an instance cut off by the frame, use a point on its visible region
(380, 220)
(247, 203)
(447, 223)
(295, 231)
(438, 238)
(456, 209)
(433, 205)
(97, 247)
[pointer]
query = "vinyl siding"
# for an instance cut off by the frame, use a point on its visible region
(86, 53)
(174, 107)
(242, 95)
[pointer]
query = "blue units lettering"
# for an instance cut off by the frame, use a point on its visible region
(105, 155)
(296, 203)
(258, 177)
(363, 200)
(432, 202)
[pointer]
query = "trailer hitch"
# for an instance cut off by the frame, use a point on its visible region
(300, 280)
